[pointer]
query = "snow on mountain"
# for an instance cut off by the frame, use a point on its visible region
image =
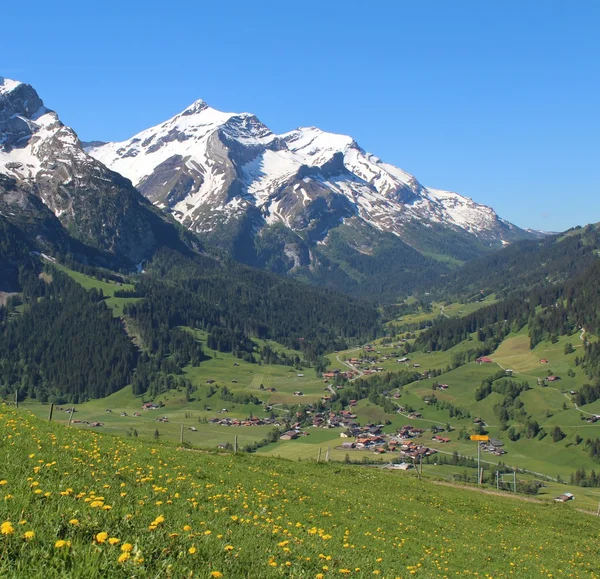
(205, 166)
(46, 174)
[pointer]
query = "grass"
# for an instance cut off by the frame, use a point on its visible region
(80, 504)
(108, 288)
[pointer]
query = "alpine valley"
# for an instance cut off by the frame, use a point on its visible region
(133, 326)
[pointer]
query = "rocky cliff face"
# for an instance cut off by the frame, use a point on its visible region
(47, 179)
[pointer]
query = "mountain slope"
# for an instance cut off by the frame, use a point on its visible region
(228, 177)
(60, 196)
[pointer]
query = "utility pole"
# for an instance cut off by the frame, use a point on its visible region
(51, 410)
(479, 438)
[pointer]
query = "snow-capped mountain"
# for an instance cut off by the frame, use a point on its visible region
(52, 189)
(207, 167)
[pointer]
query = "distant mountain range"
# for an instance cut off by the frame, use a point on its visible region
(309, 203)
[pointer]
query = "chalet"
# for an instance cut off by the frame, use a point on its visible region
(416, 365)
(329, 375)
(543, 361)
(298, 393)
(440, 439)
(403, 360)
(210, 381)
(552, 378)
(443, 387)
(289, 435)
(415, 415)
(300, 375)
(347, 445)
(565, 497)
(352, 403)
(484, 360)
(193, 429)
(150, 406)
(508, 372)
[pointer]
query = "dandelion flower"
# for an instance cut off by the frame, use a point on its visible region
(114, 541)
(74, 522)
(62, 543)
(28, 535)
(127, 547)
(192, 550)
(228, 548)
(6, 528)
(187, 528)
(101, 537)
(123, 557)
(216, 574)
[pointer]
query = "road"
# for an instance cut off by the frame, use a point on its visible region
(360, 372)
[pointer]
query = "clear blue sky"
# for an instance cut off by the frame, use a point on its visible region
(497, 100)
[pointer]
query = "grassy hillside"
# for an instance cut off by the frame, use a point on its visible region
(81, 504)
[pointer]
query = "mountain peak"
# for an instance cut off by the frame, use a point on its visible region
(8, 85)
(196, 107)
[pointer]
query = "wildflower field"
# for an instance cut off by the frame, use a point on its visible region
(75, 503)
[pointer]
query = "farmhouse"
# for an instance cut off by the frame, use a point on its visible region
(565, 497)
(553, 378)
(440, 438)
(484, 360)
(150, 406)
(289, 435)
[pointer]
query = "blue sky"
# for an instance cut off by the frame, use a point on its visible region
(497, 100)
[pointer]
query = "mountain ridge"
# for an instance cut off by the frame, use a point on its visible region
(277, 173)
(60, 196)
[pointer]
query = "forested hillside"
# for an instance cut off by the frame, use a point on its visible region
(62, 343)
(552, 311)
(205, 294)
(523, 265)
(65, 344)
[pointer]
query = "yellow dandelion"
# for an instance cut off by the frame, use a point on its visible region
(6, 528)
(62, 543)
(187, 528)
(228, 548)
(216, 574)
(114, 541)
(101, 537)
(28, 535)
(74, 522)
(127, 547)
(192, 550)
(123, 557)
